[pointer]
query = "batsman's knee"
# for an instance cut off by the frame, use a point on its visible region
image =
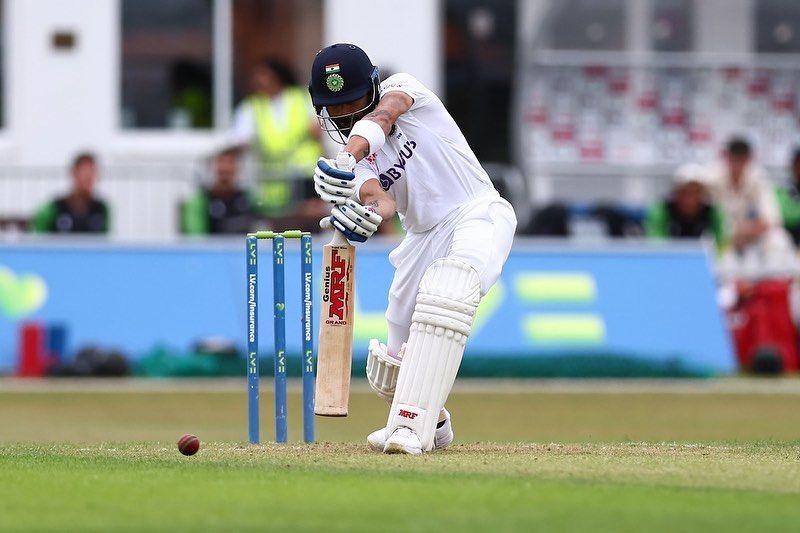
(449, 294)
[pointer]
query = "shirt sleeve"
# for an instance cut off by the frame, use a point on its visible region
(768, 203)
(194, 215)
(243, 127)
(408, 84)
(790, 208)
(364, 172)
(42, 221)
(655, 224)
(719, 228)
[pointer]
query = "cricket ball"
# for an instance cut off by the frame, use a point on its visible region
(188, 444)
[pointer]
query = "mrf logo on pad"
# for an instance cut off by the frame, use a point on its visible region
(335, 293)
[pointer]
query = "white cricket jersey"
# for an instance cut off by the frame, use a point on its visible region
(426, 165)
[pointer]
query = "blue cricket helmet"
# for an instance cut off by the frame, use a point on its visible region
(342, 73)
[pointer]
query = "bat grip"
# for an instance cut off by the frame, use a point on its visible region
(339, 239)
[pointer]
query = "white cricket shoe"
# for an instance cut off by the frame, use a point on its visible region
(403, 441)
(441, 439)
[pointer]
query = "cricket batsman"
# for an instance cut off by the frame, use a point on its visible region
(403, 153)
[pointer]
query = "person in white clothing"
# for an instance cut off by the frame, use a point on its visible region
(403, 153)
(750, 208)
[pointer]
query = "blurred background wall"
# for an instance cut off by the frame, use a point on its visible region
(580, 110)
(105, 78)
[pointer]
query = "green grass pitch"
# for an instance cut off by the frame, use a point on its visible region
(527, 458)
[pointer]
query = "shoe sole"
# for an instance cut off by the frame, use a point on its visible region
(393, 448)
(380, 446)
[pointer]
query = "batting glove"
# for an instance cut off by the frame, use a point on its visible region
(355, 221)
(333, 178)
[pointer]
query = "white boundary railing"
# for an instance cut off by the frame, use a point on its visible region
(144, 198)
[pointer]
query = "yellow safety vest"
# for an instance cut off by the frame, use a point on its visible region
(286, 146)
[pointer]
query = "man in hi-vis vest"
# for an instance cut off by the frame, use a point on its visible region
(278, 119)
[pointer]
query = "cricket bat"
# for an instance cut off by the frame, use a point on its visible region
(335, 354)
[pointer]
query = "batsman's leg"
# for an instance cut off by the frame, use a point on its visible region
(448, 297)
(382, 371)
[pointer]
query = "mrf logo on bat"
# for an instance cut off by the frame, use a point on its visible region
(334, 293)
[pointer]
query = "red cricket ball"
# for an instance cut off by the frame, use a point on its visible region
(188, 444)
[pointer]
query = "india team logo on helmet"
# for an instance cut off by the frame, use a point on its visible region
(334, 81)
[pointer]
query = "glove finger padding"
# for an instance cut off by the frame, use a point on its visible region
(364, 212)
(328, 197)
(349, 235)
(361, 216)
(333, 185)
(328, 167)
(339, 218)
(325, 179)
(357, 218)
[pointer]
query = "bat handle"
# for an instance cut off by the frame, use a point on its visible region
(339, 239)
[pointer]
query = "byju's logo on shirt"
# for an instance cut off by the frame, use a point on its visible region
(395, 172)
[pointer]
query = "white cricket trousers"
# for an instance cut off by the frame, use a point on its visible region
(479, 233)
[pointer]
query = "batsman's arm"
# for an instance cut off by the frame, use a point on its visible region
(389, 108)
(376, 199)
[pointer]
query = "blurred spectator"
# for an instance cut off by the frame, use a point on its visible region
(80, 211)
(551, 220)
(789, 200)
(747, 200)
(584, 221)
(761, 247)
(279, 119)
(687, 212)
(618, 221)
(223, 207)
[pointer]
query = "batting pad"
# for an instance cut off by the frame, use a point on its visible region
(448, 295)
(382, 369)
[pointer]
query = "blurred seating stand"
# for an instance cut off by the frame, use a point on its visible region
(596, 125)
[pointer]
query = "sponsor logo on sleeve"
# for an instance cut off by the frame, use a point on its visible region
(389, 176)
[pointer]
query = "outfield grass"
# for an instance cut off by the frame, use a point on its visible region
(480, 414)
(600, 461)
(340, 487)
